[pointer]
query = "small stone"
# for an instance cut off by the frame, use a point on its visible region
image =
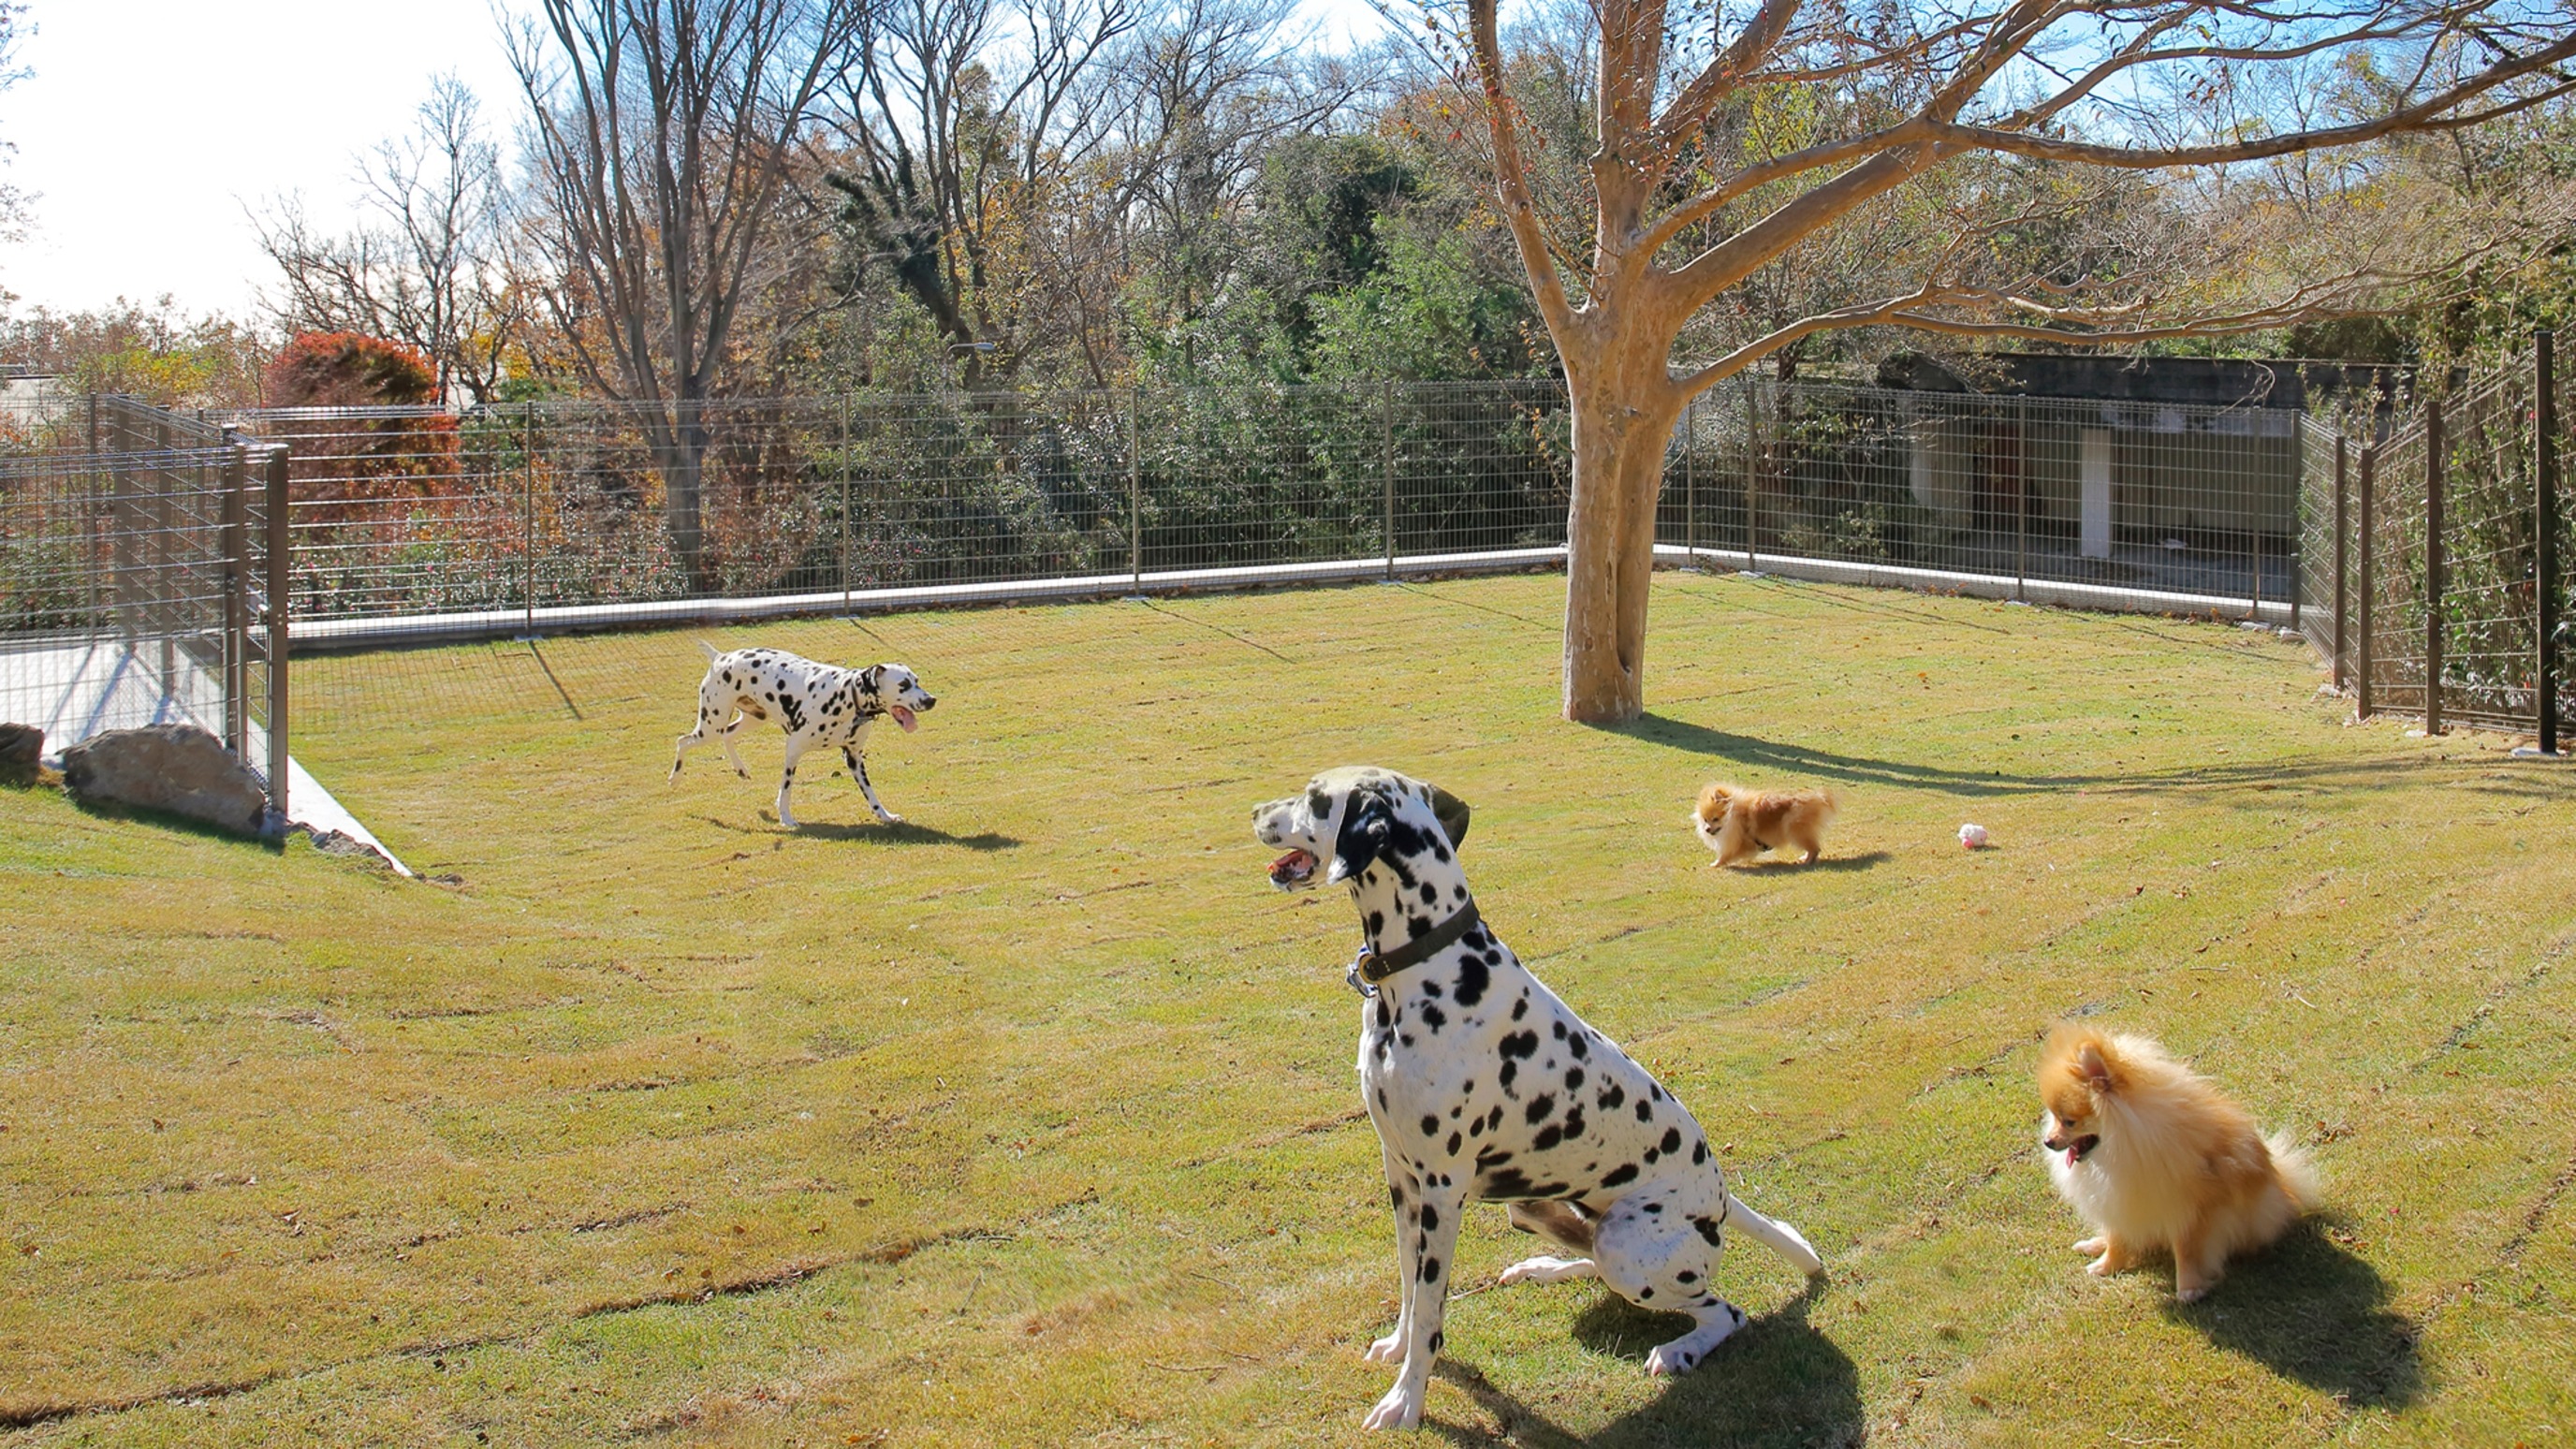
(22, 747)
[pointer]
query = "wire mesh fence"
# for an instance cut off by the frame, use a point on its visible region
(134, 553)
(2449, 579)
(414, 523)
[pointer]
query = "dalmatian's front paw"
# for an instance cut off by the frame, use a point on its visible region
(889, 817)
(1398, 1410)
(1389, 1349)
(1666, 1360)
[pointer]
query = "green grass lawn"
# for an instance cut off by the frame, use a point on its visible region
(1032, 1121)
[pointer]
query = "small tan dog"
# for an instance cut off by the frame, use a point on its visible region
(2155, 1158)
(1740, 824)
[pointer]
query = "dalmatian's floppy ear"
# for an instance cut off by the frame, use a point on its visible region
(1453, 814)
(1365, 820)
(873, 677)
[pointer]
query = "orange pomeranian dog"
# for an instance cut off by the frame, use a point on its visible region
(2155, 1158)
(1740, 824)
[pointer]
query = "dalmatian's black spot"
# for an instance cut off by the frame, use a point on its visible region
(1519, 1044)
(1433, 1017)
(1494, 1118)
(1620, 1176)
(1687, 1276)
(1654, 1207)
(1437, 1338)
(1492, 1157)
(1404, 1037)
(1699, 1153)
(1397, 1195)
(1431, 990)
(1645, 1110)
(1385, 1013)
(1520, 1008)
(1672, 1142)
(1430, 1270)
(1453, 1144)
(1376, 924)
(1578, 1047)
(1645, 1293)
(1653, 1092)
(1541, 1107)
(1430, 894)
(1708, 1230)
(1473, 978)
(1509, 1071)
(1573, 1122)
(1653, 1157)
(1548, 1137)
(1476, 1128)
(1574, 1079)
(1611, 1097)
(1430, 1126)
(1430, 1218)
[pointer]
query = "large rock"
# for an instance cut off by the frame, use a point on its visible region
(21, 746)
(180, 769)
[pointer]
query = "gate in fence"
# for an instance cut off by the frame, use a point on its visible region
(144, 556)
(2434, 568)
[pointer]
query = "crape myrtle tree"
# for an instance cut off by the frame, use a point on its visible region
(1725, 140)
(662, 133)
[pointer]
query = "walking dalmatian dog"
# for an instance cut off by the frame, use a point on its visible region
(1483, 1085)
(817, 704)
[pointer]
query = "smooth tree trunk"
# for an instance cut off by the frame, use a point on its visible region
(1621, 435)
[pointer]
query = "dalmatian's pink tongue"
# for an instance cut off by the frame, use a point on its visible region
(905, 718)
(1291, 868)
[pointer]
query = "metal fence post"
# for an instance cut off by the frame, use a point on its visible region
(845, 503)
(1752, 463)
(2021, 500)
(2341, 601)
(528, 535)
(280, 555)
(1386, 447)
(164, 578)
(1690, 480)
(2435, 445)
(2545, 527)
(236, 546)
(2363, 662)
(1135, 491)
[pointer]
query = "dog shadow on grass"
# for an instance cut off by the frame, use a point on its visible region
(2311, 1311)
(1776, 1380)
(871, 832)
(1788, 865)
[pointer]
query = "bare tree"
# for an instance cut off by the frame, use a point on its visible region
(14, 29)
(1692, 193)
(431, 271)
(663, 132)
(954, 161)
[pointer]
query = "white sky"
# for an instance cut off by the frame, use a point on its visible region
(149, 125)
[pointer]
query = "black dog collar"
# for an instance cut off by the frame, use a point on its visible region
(1371, 967)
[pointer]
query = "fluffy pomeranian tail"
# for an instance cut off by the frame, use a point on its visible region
(2291, 1168)
(1833, 805)
(1778, 1236)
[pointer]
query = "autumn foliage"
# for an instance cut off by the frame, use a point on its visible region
(355, 461)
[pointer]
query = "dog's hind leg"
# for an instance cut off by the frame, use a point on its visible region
(859, 772)
(1664, 1265)
(725, 736)
(690, 741)
(787, 780)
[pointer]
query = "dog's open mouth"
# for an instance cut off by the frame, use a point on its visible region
(904, 717)
(1293, 869)
(2080, 1148)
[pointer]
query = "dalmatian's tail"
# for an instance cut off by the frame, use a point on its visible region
(1778, 1236)
(709, 650)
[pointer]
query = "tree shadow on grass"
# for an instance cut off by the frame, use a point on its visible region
(2310, 1310)
(1753, 754)
(1775, 1381)
(871, 832)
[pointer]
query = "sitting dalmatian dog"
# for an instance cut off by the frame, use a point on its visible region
(817, 704)
(1483, 1085)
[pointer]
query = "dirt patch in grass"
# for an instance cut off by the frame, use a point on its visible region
(1031, 1121)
